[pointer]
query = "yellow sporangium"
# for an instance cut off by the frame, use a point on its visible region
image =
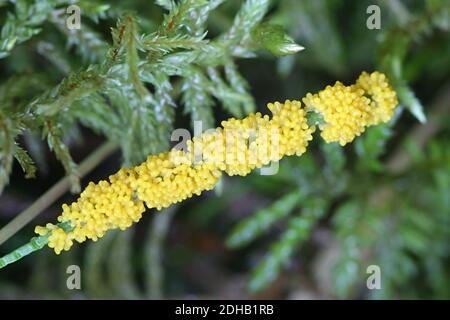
(236, 148)
(348, 110)
(383, 98)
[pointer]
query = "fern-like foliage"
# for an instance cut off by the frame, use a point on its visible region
(129, 89)
(135, 68)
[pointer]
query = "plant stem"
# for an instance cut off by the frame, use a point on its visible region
(61, 187)
(35, 244)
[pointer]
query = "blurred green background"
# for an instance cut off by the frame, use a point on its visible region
(309, 232)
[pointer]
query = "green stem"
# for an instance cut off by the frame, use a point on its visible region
(35, 244)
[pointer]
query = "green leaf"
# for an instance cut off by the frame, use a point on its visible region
(281, 252)
(252, 227)
(410, 101)
(197, 100)
(73, 88)
(25, 162)
(273, 38)
(249, 15)
(24, 24)
(179, 16)
(55, 143)
(240, 85)
(165, 45)
(88, 43)
(236, 102)
(132, 58)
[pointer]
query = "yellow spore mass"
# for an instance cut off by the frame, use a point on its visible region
(348, 110)
(236, 148)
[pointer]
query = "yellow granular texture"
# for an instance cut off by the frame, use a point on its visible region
(345, 111)
(237, 148)
(383, 97)
(348, 110)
